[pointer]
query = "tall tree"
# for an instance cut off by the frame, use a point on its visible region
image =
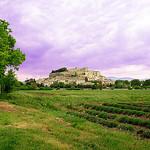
(147, 82)
(9, 56)
(135, 82)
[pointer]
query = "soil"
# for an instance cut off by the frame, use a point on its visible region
(5, 106)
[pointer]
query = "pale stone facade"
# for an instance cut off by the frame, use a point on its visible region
(75, 76)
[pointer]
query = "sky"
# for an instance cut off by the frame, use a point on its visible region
(111, 36)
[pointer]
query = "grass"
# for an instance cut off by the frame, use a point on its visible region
(37, 120)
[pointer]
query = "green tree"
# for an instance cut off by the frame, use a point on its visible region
(34, 85)
(59, 70)
(10, 81)
(135, 82)
(9, 57)
(126, 82)
(86, 79)
(146, 82)
(29, 81)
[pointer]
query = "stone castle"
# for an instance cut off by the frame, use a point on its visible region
(75, 76)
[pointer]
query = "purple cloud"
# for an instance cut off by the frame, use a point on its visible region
(108, 35)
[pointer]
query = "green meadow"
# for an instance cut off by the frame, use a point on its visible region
(38, 120)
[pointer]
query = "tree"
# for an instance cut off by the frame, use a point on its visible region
(146, 82)
(29, 81)
(135, 82)
(59, 70)
(9, 57)
(34, 85)
(126, 82)
(10, 81)
(86, 79)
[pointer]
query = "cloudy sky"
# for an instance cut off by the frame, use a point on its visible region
(112, 36)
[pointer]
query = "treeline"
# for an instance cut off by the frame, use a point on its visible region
(59, 70)
(31, 84)
(133, 84)
(11, 83)
(119, 84)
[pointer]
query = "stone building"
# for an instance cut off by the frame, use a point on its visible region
(75, 76)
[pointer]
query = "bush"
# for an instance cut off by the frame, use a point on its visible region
(103, 115)
(70, 106)
(10, 81)
(148, 115)
(112, 124)
(129, 87)
(146, 109)
(137, 87)
(45, 88)
(112, 88)
(73, 88)
(144, 133)
(139, 113)
(126, 127)
(138, 122)
(126, 111)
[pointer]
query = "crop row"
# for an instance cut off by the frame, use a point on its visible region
(110, 124)
(144, 133)
(136, 104)
(138, 122)
(123, 106)
(116, 110)
(103, 115)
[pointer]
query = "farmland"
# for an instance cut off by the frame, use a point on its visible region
(75, 120)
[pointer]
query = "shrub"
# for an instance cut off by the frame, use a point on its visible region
(140, 131)
(112, 124)
(123, 119)
(129, 87)
(136, 122)
(103, 122)
(112, 88)
(139, 122)
(137, 87)
(146, 109)
(91, 118)
(139, 113)
(70, 106)
(148, 115)
(119, 111)
(126, 111)
(144, 133)
(110, 109)
(126, 127)
(113, 116)
(101, 114)
(45, 88)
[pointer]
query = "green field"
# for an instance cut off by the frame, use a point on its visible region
(39, 120)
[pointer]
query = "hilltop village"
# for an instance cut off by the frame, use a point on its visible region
(76, 76)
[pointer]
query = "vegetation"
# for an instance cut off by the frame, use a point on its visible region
(59, 70)
(126, 127)
(41, 120)
(120, 84)
(135, 82)
(10, 81)
(9, 57)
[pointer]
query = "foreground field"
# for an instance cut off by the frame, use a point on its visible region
(47, 120)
